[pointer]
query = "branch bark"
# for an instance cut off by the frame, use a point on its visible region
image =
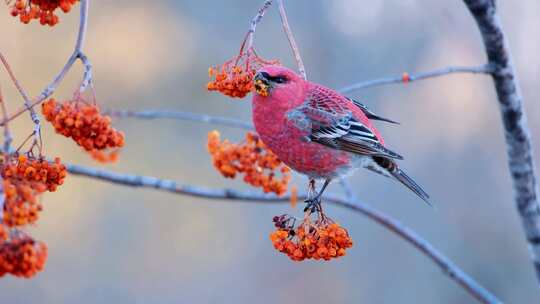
(77, 54)
(6, 147)
(448, 267)
(236, 123)
(176, 115)
(406, 78)
(290, 37)
(517, 135)
(255, 21)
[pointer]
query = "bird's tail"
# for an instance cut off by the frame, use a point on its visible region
(403, 178)
(386, 166)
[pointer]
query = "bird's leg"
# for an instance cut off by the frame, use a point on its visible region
(314, 203)
(311, 193)
(311, 188)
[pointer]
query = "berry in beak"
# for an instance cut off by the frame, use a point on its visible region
(262, 84)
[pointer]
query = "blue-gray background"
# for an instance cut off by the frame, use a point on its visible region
(109, 243)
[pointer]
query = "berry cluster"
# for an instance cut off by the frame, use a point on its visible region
(322, 239)
(21, 256)
(24, 180)
(258, 164)
(4, 233)
(85, 124)
(44, 10)
(234, 78)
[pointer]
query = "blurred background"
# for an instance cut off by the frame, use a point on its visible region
(109, 243)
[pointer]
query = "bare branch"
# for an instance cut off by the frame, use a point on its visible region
(186, 116)
(33, 115)
(87, 76)
(255, 21)
(14, 79)
(448, 268)
(8, 138)
(83, 25)
(405, 77)
(77, 54)
(290, 37)
(517, 135)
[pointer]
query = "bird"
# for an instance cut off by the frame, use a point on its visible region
(320, 133)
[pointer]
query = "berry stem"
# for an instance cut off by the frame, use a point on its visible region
(292, 41)
(253, 25)
(8, 138)
(483, 69)
(76, 55)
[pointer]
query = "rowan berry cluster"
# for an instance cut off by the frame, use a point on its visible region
(42, 10)
(20, 255)
(251, 158)
(24, 179)
(322, 239)
(234, 78)
(84, 123)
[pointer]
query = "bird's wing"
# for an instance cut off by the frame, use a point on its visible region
(330, 123)
(369, 113)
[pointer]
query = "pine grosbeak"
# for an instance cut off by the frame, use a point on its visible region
(318, 132)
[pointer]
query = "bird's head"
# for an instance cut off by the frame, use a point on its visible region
(274, 80)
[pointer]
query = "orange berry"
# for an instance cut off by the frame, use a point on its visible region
(25, 179)
(310, 240)
(235, 78)
(405, 78)
(84, 123)
(258, 165)
(44, 10)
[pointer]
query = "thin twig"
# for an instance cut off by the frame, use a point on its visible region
(448, 267)
(186, 116)
(290, 37)
(8, 138)
(406, 78)
(87, 75)
(27, 102)
(13, 78)
(77, 53)
(255, 21)
(517, 134)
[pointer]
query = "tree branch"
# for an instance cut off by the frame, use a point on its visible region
(77, 54)
(255, 21)
(33, 115)
(186, 116)
(236, 123)
(290, 37)
(517, 135)
(405, 77)
(448, 268)
(8, 138)
(87, 75)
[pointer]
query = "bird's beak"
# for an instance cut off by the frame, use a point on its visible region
(261, 84)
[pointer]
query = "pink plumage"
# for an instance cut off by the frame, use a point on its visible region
(317, 131)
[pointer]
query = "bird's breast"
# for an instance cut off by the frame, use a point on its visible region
(286, 134)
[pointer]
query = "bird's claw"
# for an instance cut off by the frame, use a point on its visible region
(312, 204)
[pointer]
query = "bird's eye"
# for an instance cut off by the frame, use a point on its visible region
(279, 79)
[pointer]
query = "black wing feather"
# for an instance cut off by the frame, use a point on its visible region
(369, 113)
(352, 136)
